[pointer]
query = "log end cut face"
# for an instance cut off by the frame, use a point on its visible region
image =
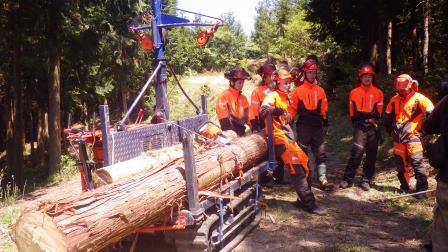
(36, 231)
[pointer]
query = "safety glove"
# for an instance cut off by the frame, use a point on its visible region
(278, 112)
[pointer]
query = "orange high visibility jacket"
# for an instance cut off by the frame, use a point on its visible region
(407, 115)
(281, 130)
(256, 100)
(231, 105)
(365, 103)
(310, 102)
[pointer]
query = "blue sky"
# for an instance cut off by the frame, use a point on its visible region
(244, 10)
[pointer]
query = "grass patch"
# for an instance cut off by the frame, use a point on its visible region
(9, 194)
(8, 216)
(280, 209)
(348, 247)
(339, 137)
(68, 169)
(401, 204)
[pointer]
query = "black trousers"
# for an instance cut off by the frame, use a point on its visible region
(312, 137)
(365, 140)
(300, 184)
(299, 180)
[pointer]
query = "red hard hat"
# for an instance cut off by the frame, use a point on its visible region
(237, 73)
(405, 82)
(310, 65)
(281, 74)
(367, 69)
(266, 69)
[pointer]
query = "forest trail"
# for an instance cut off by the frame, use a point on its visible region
(357, 220)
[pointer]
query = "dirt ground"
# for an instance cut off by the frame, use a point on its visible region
(357, 220)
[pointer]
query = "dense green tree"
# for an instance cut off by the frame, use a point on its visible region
(265, 33)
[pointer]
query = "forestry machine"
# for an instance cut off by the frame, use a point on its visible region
(216, 223)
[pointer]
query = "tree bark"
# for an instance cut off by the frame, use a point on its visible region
(95, 219)
(415, 36)
(425, 49)
(389, 48)
(54, 70)
(373, 36)
(42, 137)
(15, 131)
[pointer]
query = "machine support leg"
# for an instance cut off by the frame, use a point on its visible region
(105, 125)
(221, 218)
(204, 104)
(87, 170)
(191, 176)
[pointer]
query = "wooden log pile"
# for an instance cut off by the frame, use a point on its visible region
(106, 215)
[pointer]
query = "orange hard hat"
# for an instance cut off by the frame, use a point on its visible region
(266, 69)
(281, 74)
(366, 69)
(405, 82)
(237, 73)
(310, 65)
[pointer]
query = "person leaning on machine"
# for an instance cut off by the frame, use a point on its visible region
(278, 104)
(259, 93)
(232, 107)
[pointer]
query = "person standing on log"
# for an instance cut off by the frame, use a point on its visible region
(278, 104)
(365, 108)
(232, 107)
(403, 120)
(264, 88)
(310, 102)
(437, 123)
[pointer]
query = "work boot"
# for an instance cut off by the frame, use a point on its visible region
(345, 184)
(325, 185)
(365, 185)
(404, 189)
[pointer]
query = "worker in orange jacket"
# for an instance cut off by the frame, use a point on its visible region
(403, 120)
(278, 104)
(310, 102)
(264, 88)
(298, 75)
(365, 108)
(232, 107)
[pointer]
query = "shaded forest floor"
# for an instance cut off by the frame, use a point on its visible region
(357, 220)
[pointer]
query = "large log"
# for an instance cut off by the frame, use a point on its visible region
(95, 219)
(149, 162)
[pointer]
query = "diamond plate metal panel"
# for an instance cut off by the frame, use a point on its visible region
(124, 145)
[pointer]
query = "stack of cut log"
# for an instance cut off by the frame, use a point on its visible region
(107, 214)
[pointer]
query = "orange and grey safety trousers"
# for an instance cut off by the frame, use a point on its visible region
(414, 150)
(297, 163)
